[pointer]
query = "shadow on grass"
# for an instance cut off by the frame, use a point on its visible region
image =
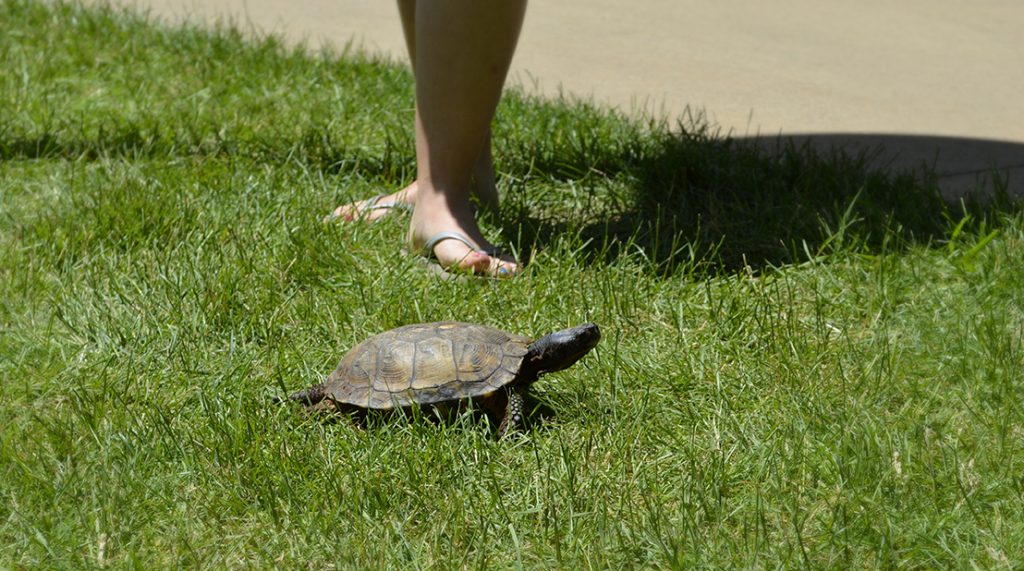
(706, 203)
(539, 416)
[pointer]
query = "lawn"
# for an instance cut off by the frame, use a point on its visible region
(805, 363)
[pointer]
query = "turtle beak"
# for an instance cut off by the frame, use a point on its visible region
(587, 336)
(576, 342)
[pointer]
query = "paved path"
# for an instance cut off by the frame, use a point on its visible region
(933, 81)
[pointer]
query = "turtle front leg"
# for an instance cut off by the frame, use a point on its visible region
(513, 413)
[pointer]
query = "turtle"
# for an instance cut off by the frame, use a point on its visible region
(444, 364)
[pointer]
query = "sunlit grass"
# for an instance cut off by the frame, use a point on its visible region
(803, 362)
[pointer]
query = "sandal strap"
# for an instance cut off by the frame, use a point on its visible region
(375, 204)
(428, 246)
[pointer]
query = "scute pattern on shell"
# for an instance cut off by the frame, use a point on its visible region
(427, 363)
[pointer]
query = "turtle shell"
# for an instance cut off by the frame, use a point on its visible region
(426, 363)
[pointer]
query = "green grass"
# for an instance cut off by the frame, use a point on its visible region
(804, 363)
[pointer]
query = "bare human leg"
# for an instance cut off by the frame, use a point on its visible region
(484, 186)
(463, 51)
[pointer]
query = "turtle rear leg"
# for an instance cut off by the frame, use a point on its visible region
(513, 416)
(315, 400)
(308, 398)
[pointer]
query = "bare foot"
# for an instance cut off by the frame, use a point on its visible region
(455, 238)
(377, 207)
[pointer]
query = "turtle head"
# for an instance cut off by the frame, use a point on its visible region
(559, 350)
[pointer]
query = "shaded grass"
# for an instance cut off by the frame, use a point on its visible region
(848, 397)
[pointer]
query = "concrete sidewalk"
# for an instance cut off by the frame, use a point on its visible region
(937, 82)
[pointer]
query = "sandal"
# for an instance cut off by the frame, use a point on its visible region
(368, 206)
(426, 253)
